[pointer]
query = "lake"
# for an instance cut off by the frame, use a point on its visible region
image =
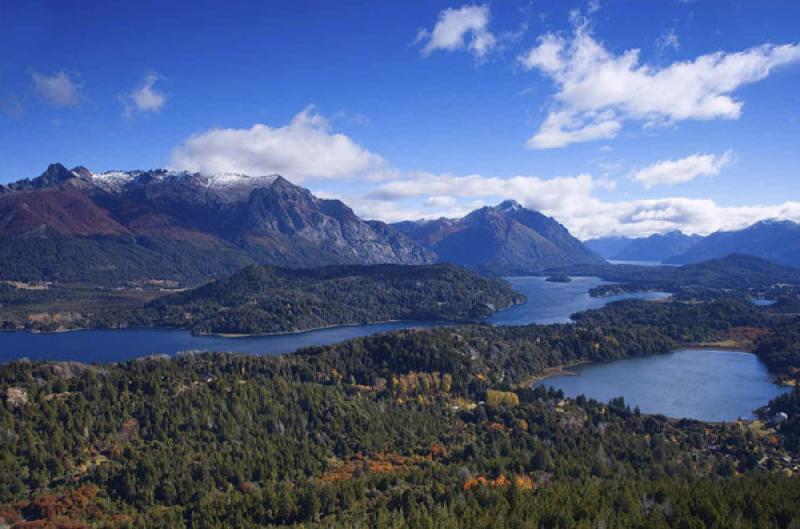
(551, 302)
(547, 303)
(116, 345)
(702, 384)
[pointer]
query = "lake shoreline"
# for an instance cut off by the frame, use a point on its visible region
(546, 303)
(720, 346)
(323, 328)
(554, 371)
(237, 335)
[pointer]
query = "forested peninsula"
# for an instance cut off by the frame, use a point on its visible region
(266, 299)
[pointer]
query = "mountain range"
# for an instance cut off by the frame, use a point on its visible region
(506, 239)
(140, 227)
(657, 247)
(776, 240)
(75, 225)
(734, 271)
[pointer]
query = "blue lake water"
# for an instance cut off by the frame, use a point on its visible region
(551, 302)
(117, 345)
(548, 302)
(703, 384)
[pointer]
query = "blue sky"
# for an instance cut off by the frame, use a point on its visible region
(420, 109)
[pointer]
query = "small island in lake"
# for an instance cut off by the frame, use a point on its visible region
(559, 278)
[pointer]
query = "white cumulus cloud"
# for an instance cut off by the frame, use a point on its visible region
(597, 90)
(304, 149)
(645, 217)
(682, 170)
(145, 98)
(441, 201)
(57, 90)
(573, 201)
(460, 28)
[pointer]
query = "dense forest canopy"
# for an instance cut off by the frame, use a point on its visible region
(416, 428)
(264, 299)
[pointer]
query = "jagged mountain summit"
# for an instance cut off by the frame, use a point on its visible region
(775, 240)
(76, 225)
(505, 239)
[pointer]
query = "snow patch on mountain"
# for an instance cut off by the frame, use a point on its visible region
(115, 181)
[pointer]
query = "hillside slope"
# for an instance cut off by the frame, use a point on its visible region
(263, 299)
(732, 272)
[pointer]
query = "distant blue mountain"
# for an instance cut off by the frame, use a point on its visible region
(506, 239)
(778, 241)
(608, 247)
(657, 247)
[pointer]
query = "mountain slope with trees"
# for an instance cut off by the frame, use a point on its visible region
(736, 272)
(262, 299)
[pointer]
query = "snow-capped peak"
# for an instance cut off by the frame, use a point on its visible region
(236, 179)
(113, 180)
(116, 181)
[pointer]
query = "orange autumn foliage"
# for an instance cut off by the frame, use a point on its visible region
(520, 480)
(50, 511)
(438, 451)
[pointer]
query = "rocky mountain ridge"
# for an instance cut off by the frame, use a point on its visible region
(107, 224)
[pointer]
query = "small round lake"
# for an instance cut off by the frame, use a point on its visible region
(703, 384)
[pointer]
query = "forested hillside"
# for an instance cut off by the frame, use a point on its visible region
(262, 299)
(732, 273)
(434, 428)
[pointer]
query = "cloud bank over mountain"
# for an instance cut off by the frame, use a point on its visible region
(308, 149)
